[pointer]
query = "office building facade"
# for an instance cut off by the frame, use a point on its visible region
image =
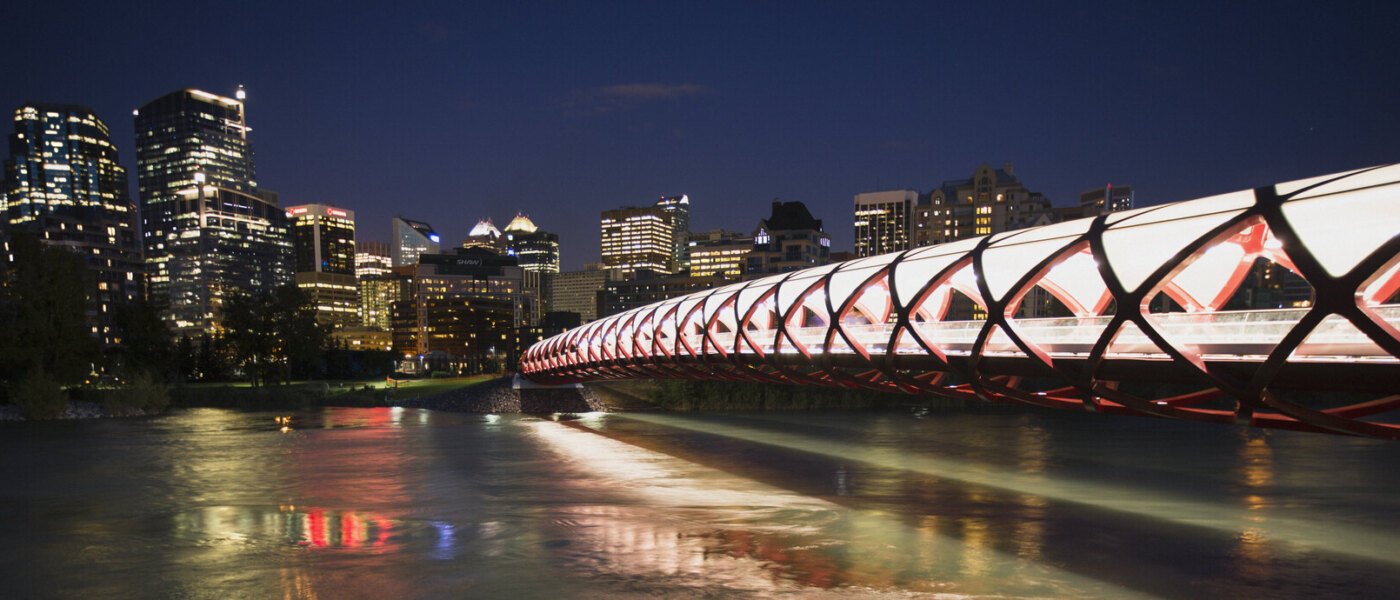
(577, 291)
(678, 209)
(788, 240)
(411, 239)
(63, 184)
(991, 201)
(719, 252)
(208, 230)
(884, 221)
(638, 238)
(533, 249)
(372, 258)
(323, 242)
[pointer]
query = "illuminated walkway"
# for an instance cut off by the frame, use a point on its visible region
(1140, 312)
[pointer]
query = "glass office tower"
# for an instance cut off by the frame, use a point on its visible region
(208, 230)
(63, 183)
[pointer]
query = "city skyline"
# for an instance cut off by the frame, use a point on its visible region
(432, 114)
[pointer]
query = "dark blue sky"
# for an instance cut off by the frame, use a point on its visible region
(449, 112)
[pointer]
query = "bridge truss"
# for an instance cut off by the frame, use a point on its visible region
(1274, 307)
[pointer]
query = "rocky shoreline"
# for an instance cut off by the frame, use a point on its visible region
(499, 397)
(74, 410)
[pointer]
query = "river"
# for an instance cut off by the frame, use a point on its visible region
(396, 503)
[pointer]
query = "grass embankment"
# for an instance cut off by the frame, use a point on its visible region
(378, 392)
(694, 395)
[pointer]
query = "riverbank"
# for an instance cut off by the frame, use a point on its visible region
(497, 395)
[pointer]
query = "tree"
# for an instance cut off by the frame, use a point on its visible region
(272, 330)
(300, 339)
(43, 306)
(248, 332)
(146, 343)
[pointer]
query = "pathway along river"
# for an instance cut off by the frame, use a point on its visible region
(397, 503)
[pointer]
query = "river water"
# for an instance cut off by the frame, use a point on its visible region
(399, 503)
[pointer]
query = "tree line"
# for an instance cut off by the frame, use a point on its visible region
(268, 338)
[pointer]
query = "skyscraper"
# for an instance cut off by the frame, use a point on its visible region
(411, 239)
(323, 238)
(485, 235)
(533, 249)
(372, 258)
(678, 208)
(208, 230)
(638, 238)
(883, 221)
(63, 183)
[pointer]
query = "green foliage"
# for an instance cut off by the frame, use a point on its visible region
(43, 301)
(142, 394)
(39, 396)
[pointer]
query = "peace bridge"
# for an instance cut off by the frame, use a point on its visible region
(1139, 312)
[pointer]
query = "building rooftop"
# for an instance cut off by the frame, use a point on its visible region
(792, 215)
(522, 224)
(485, 228)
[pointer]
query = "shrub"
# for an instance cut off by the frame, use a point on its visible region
(142, 394)
(39, 396)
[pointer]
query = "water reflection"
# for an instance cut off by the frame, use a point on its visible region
(1255, 472)
(698, 526)
(286, 525)
(1174, 506)
(395, 503)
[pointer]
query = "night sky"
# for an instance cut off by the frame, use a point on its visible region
(454, 111)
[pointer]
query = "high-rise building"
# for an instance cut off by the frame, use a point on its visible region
(323, 240)
(719, 252)
(678, 208)
(577, 291)
(533, 249)
(1107, 199)
(638, 238)
(485, 235)
(379, 292)
(372, 258)
(465, 304)
(412, 238)
(63, 183)
(208, 230)
(788, 240)
(991, 201)
(884, 221)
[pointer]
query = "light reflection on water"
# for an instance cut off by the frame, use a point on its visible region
(1173, 506)
(407, 503)
(790, 541)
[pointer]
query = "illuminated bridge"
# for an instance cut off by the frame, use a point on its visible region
(1274, 307)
